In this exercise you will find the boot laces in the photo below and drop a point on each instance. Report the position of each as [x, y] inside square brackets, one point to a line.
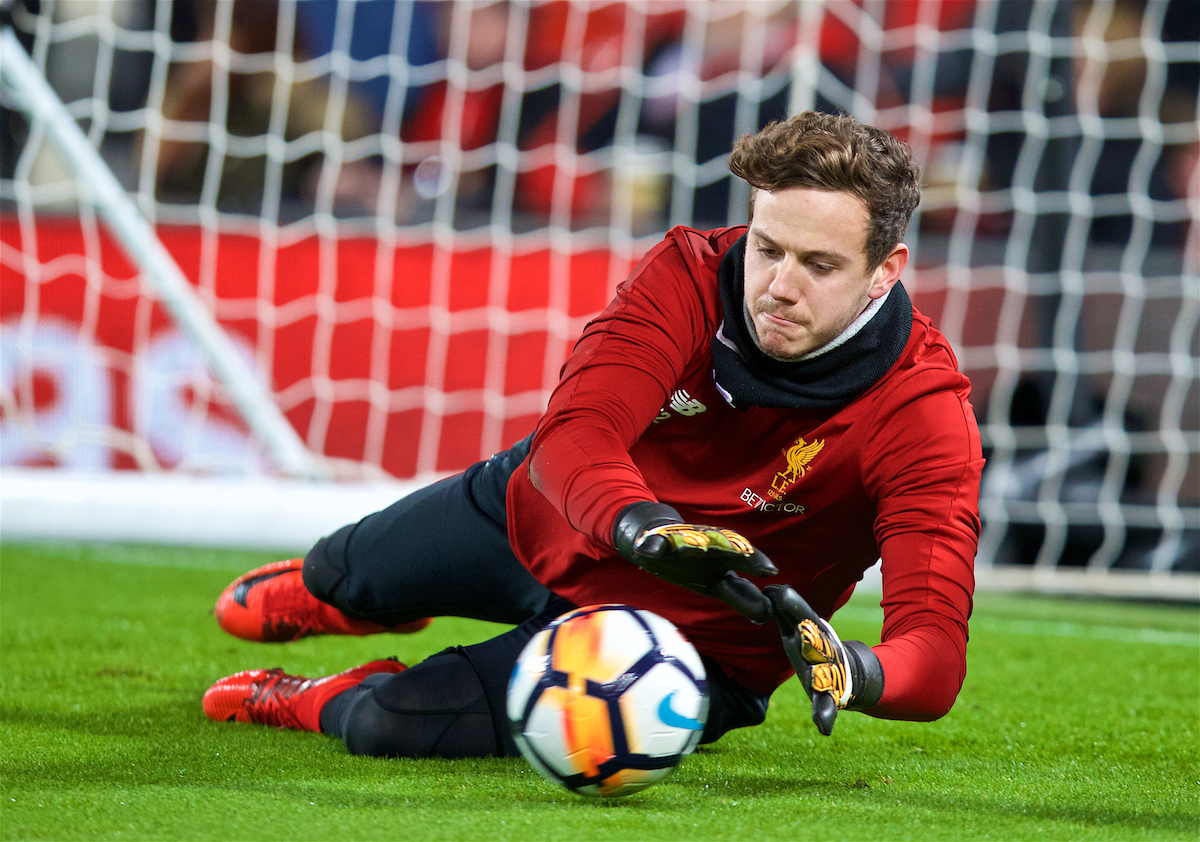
[272, 702]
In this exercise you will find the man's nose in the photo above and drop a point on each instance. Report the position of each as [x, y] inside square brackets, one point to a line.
[785, 285]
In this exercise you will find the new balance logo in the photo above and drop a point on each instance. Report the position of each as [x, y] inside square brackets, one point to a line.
[683, 403]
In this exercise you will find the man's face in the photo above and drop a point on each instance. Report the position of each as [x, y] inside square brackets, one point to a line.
[806, 269]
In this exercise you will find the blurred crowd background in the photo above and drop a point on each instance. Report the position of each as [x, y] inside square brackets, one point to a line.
[477, 101]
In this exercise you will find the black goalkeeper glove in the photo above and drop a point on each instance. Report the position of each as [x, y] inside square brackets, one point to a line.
[836, 674]
[704, 559]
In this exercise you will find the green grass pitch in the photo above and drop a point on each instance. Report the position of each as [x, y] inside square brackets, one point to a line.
[1079, 719]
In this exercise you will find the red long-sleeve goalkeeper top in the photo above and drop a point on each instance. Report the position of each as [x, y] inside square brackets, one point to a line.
[824, 493]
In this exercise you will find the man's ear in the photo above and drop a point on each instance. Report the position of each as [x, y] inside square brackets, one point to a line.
[888, 272]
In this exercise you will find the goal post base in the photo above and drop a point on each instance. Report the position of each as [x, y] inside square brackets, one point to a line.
[1084, 582]
[259, 513]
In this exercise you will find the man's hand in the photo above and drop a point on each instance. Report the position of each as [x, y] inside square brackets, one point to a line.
[835, 675]
[704, 559]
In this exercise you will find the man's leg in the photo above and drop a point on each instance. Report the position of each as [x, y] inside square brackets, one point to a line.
[441, 551]
[450, 705]
[454, 703]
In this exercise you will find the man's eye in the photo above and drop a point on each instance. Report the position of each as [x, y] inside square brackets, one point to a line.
[767, 252]
[821, 268]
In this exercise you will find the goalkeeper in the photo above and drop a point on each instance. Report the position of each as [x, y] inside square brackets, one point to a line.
[757, 417]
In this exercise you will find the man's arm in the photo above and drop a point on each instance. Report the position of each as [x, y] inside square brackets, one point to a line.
[924, 636]
[618, 377]
[922, 467]
[924, 471]
[624, 366]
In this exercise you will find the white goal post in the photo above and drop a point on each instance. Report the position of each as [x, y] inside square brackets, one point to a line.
[265, 266]
[100, 189]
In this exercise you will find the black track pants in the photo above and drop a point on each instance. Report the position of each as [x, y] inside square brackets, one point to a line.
[441, 551]
[444, 551]
[453, 703]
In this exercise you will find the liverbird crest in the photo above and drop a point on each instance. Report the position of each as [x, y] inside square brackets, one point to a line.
[799, 456]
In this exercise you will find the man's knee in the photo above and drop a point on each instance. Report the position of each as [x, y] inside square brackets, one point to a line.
[325, 565]
[436, 709]
[328, 576]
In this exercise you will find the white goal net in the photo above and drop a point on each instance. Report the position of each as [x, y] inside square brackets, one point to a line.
[355, 240]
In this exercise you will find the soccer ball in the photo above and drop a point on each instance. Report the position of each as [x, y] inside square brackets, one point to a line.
[607, 700]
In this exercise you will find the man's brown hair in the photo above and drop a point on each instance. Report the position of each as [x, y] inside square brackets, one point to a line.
[838, 153]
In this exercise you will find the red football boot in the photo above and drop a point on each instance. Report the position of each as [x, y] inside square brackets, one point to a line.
[270, 604]
[272, 697]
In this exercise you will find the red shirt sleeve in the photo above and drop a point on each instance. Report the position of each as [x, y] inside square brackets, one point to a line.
[927, 528]
[617, 379]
